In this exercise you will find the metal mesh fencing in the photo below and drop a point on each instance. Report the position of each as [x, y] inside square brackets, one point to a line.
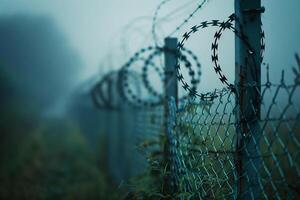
[219, 155]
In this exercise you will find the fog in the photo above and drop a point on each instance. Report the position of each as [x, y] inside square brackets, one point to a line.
[95, 29]
[52, 52]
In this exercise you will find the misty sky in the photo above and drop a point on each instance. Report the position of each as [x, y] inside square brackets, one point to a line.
[94, 28]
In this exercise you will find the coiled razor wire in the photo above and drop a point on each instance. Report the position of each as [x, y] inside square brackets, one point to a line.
[195, 75]
[223, 25]
[136, 101]
[106, 97]
[125, 92]
[97, 96]
[100, 96]
[228, 25]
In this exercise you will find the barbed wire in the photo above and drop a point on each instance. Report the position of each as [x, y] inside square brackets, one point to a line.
[185, 21]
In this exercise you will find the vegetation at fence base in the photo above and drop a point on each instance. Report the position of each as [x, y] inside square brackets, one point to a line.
[151, 183]
[206, 158]
[53, 162]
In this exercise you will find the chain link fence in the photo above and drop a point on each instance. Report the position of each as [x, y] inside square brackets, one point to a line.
[215, 159]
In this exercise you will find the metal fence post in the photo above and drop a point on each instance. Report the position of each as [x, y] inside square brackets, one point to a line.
[171, 99]
[248, 81]
[171, 85]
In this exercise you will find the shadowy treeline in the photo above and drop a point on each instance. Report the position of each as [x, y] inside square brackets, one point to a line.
[43, 157]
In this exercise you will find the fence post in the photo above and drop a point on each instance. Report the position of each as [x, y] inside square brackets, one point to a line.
[171, 100]
[171, 84]
[247, 81]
